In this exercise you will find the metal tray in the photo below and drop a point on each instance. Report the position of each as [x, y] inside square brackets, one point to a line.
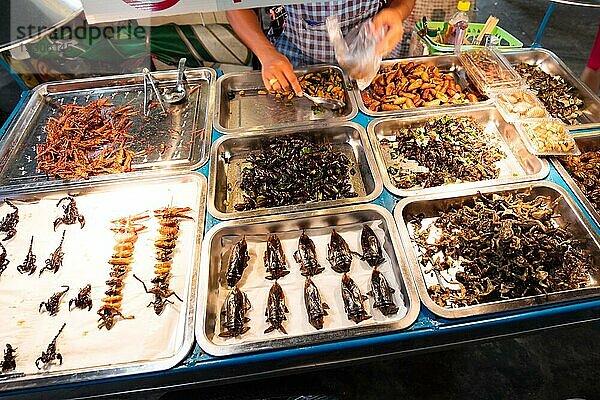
[253, 112]
[319, 222]
[568, 215]
[519, 161]
[180, 141]
[551, 64]
[448, 64]
[229, 153]
[586, 142]
[131, 347]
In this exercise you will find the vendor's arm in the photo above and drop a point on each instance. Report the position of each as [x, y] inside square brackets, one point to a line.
[391, 18]
[277, 71]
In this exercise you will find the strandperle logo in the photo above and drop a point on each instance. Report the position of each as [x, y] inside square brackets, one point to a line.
[151, 5]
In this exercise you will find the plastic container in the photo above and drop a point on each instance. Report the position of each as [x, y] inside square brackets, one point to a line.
[434, 45]
[489, 70]
[517, 104]
[458, 24]
[547, 137]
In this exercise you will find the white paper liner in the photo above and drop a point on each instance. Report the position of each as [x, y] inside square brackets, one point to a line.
[257, 287]
[148, 337]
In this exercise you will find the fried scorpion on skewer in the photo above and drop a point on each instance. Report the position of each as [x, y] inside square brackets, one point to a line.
[168, 219]
[126, 234]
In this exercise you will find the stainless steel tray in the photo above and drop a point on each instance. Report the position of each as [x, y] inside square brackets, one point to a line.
[551, 64]
[229, 153]
[586, 142]
[147, 343]
[449, 64]
[518, 166]
[568, 215]
[253, 112]
[180, 140]
[290, 226]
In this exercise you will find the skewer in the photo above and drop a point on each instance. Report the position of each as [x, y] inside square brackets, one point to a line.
[489, 26]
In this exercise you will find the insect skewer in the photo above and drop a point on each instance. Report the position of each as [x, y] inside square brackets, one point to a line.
[126, 234]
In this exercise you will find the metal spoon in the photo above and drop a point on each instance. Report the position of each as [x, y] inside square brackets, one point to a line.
[333, 104]
[178, 93]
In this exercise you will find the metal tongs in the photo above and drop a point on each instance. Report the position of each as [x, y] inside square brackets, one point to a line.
[149, 79]
[333, 104]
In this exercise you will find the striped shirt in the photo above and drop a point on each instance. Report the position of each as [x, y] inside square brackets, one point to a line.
[305, 41]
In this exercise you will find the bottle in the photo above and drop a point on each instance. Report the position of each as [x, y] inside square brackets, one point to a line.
[458, 25]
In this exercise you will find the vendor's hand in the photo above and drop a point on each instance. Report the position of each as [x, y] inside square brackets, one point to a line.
[278, 73]
[390, 20]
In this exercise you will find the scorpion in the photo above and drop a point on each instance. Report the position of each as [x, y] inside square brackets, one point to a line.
[83, 298]
[161, 294]
[50, 354]
[3, 261]
[9, 363]
[53, 303]
[71, 216]
[28, 266]
[56, 258]
[9, 222]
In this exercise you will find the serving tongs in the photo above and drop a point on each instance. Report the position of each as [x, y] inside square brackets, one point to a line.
[149, 79]
[333, 104]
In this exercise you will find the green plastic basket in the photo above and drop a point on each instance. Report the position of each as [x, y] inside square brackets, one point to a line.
[507, 41]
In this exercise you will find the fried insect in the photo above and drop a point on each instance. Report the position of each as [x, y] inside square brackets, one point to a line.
[338, 253]
[28, 266]
[306, 256]
[3, 261]
[56, 258]
[161, 293]
[71, 212]
[88, 140]
[441, 151]
[353, 300]
[274, 259]
[237, 263]
[561, 98]
[406, 85]
[294, 169]
[585, 170]
[371, 248]
[233, 314]
[9, 223]
[52, 305]
[168, 219]
[9, 363]
[382, 294]
[276, 309]
[315, 307]
[126, 234]
[83, 299]
[502, 246]
[50, 354]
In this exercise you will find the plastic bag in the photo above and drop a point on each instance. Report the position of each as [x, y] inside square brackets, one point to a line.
[356, 53]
